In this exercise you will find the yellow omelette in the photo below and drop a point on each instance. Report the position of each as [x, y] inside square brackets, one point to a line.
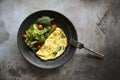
[54, 45]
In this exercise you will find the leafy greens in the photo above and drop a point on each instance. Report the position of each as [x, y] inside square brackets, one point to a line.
[37, 36]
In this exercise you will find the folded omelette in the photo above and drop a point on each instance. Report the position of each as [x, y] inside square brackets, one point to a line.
[54, 45]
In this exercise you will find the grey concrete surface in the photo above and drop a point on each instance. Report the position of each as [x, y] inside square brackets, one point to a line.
[98, 26]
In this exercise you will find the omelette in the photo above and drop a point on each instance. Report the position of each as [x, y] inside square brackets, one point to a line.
[54, 45]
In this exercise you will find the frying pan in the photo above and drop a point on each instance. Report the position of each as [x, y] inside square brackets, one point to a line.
[66, 25]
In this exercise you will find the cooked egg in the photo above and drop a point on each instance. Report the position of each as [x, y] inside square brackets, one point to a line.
[54, 45]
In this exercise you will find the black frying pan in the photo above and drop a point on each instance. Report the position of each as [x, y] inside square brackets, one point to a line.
[65, 25]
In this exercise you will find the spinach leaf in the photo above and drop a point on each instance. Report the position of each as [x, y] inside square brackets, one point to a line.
[44, 20]
[54, 53]
[50, 30]
[58, 49]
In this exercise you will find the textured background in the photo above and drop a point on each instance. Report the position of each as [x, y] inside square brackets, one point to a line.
[98, 26]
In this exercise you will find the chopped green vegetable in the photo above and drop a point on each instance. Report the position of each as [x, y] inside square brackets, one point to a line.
[62, 36]
[54, 53]
[58, 49]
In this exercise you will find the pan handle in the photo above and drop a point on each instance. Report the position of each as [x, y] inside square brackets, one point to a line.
[80, 46]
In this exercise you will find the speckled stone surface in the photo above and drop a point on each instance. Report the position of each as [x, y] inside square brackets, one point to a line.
[98, 26]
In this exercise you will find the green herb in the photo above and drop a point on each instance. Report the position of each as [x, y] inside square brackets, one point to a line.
[58, 49]
[54, 53]
[62, 36]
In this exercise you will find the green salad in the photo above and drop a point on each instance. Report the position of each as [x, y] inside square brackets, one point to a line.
[36, 35]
